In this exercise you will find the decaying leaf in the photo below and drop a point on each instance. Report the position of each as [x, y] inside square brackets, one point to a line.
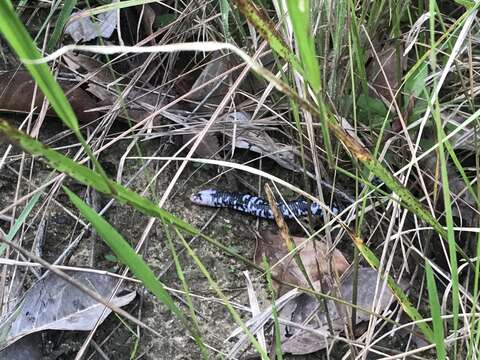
[463, 203]
[83, 29]
[388, 80]
[466, 139]
[215, 90]
[54, 304]
[27, 348]
[99, 76]
[240, 128]
[314, 255]
[16, 94]
[209, 147]
[306, 312]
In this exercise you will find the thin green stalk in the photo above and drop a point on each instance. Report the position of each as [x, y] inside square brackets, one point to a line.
[20, 220]
[452, 245]
[186, 289]
[127, 255]
[438, 333]
[224, 299]
[276, 324]
[299, 14]
[21, 42]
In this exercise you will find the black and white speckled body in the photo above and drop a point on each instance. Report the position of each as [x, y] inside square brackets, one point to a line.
[255, 205]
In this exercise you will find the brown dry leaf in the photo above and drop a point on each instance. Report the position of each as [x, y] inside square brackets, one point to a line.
[148, 15]
[240, 128]
[382, 81]
[216, 89]
[16, 94]
[314, 256]
[208, 148]
[306, 312]
[463, 203]
[98, 75]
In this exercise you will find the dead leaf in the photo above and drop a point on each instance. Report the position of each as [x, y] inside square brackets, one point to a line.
[240, 128]
[16, 94]
[53, 304]
[83, 29]
[314, 256]
[382, 82]
[209, 146]
[27, 348]
[306, 311]
[215, 90]
[463, 203]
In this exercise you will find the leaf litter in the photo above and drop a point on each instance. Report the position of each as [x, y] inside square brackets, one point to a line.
[304, 324]
[54, 304]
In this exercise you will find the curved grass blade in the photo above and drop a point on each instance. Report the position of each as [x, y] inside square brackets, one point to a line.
[235, 315]
[19, 39]
[21, 42]
[186, 290]
[130, 258]
[88, 177]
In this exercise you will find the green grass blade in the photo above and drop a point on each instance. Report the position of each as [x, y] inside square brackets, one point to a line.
[129, 257]
[65, 13]
[449, 219]
[21, 42]
[438, 333]
[473, 342]
[188, 298]
[224, 299]
[225, 10]
[402, 298]
[89, 177]
[299, 14]
[265, 27]
[20, 220]
[19, 39]
[276, 324]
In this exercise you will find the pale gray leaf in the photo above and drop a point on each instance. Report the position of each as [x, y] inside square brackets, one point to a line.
[83, 29]
[310, 317]
[53, 304]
